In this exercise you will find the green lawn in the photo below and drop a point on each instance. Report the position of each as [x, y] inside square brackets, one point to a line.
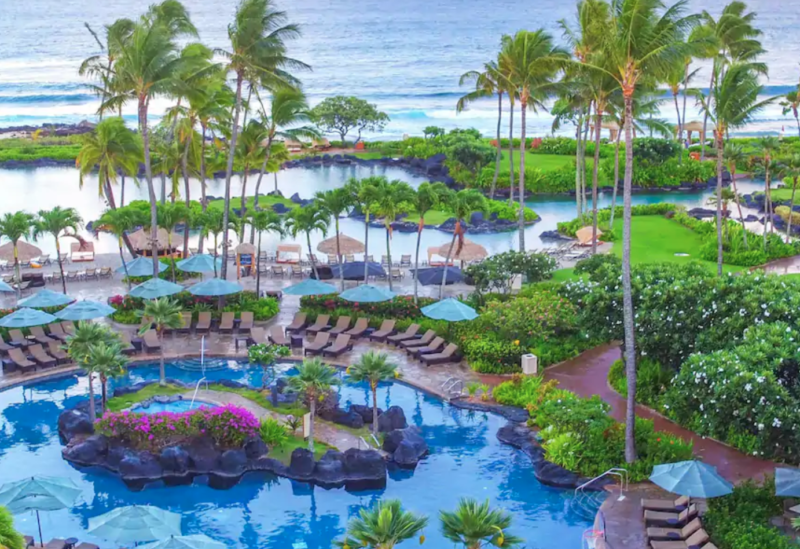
[783, 195]
[565, 275]
[124, 402]
[544, 162]
[284, 453]
[260, 398]
[369, 155]
[263, 202]
[434, 217]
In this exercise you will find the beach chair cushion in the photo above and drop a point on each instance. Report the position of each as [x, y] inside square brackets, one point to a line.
[278, 337]
[320, 325]
[361, 326]
[342, 325]
[672, 519]
[298, 323]
[410, 332]
[674, 533]
[320, 342]
[695, 541]
[386, 329]
[426, 338]
[676, 505]
[339, 346]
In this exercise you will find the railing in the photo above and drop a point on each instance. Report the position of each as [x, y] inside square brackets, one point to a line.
[377, 444]
[196, 389]
[453, 387]
[365, 443]
[586, 504]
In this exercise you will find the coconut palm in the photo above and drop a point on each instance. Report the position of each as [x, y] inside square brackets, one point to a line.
[461, 204]
[313, 380]
[119, 222]
[15, 227]
[393, 199]
[792, 170]
[9, 537]
[105, 358]
[79, 346]
[57, 222]
[169, 216]
[212, 222]
[734, 155]
[372, 368]
[306, 220]
[532, 62]
[769, 146]
[249, 152]
[258, 37]
[166, 315]
[790, 104]
[336, 202]
[261, 221]
[474, 525]
[383, 526]
[427, 197]
[365, 196]
[101, 66]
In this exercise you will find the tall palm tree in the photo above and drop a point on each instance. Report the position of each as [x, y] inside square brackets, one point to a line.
[106, 360]
[792, 170]
[393, 199]
[119, 222]
[264, 220]
[734, 154]
[372, 368]
[101, 66]
[769, 146]
[166, 315]
[461, 204]
[15, 227]
[169, 216]
[79, 346]
[474, 525]
[313, 379]
[383, 526]
[336, 202]
[306, 220]
[212, 222]
[258, 37]
[533, 63]
[57, 222]
[791, 104]
[643, 40]
[249, 152]
[427, 197]
[365, 196]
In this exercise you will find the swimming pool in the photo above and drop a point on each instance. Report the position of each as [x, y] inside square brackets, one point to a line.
[177, 407]
[274, 513]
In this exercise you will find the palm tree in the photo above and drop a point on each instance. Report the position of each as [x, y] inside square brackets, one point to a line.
[336, 202]
[643, 41]
[734, 154]
[768, 145]
[313, 379]
[393, 199]
[365, 196]
[373, 368]
[427, 198]
[258, 38]
[166, 315]
[79, 346]
[56, 222]
[461, 204]
[792, 169]
[383, 526]
[100, 66]
[119, 222]
[212, 222]
[15, 227]
[106, 360]
[169, 216]
[474, 525]
[532, 62]
[306, 220]
[790, 104]
[264, 220]
[9, 537]
[249, 151]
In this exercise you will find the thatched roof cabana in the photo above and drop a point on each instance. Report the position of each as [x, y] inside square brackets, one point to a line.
[140, 240]
[347, 245]
[25, 251]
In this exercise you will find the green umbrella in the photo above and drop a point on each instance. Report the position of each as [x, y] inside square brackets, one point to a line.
[197, 541]
[85, 310]
[46, 298]
[135, 523]
[141, 266]
[23, 318]
[310, 286]
[451, 310]
[200, 263]
[5, 287]
[215, 287]
[155, 288]
[691, 478]
[367, 293]
[39, 494]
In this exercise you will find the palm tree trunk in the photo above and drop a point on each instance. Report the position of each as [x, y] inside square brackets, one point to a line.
[61, 266]
[375, 409]
[203, 205]
[791, 210]
[228, 173]
[313, 410]
[738, 206]
[389, 250]
[627, 291]
[499, 156]
[150, 189]
[243, 211]
[797, 121]
[92, 404]
[511, 149]
[163, 188]
[311, 256]
[263, 171]
[366, 246]
[257, 265]
[456, 231]
[17, 272]
[719, 134]
[103, 391]
[124, 265]
[616, 182]
[708, 107]
[416, 259]
[185, 169]
[521, 221]
[680, 125]
[578, 204]
[162, 374]
[122, 192]
[339, 250]
[584, 141]
[598, 117]
[766, 205]
[683, 114]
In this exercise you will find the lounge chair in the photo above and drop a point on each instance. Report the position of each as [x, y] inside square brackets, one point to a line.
[4, 347]
[40, 355]
[71, 276]
[203, 322]
[256, 336]
[339, 346]
[695, 541]
[186, 323]
[397, 274]
[150, 341]
[332, 259]
[246, 322]
[410, 333]
[361, 327]
[405, 260]
[342, 325]
[297, 271]
[277, 270]
[277, 337]
[226, 322]
[320, 342]
[85, 545]
[386, 329]
[450, 354]
[655, 533]
[426, 338]
[69, 327]
[16, 338]
[349, 258]
[127, 345]
[322, 324]
[147, 322]
[21, 361]
[56, 544]
[57, 332]
[55, 350]
[671, 519]
[431, 348]
[105, 272]
[300, 321]
[667, 505]
[29, 541]
[55, 278]
[91, 274]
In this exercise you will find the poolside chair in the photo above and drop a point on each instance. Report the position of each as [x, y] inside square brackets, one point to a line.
[426, 338]
[38, 334]
[370, 259]
[150, 341]
[17, 339]
[147, 322]
[332, 259]
[278, 337]
[385, 261]
[203, 322]
[320, 342]
[405, 260]
[85, 545]
[55, 278]
[71, 276]
[57, 332]
[674, 533]
[397, 274]
[277, 270]
[361, 327]
[297, 271]
[246, 322]
[410, 333]
[342, 325]
[339, 346]
[671, 519]
[299, 323]
[91, 274]
[349, 258]
[450, 354]
[55, 350]
[105, 272]
[256, 336]
[69, 327]
[40, 355]
[127, 346]
[322, 324]
[431, 348]
[21, 361]
[56, 544]
[695, 541]
[667, 505]
[4, 347]
[386, 329]
[226, 322]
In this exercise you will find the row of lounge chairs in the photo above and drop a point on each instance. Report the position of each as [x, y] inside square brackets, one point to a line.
[205, 323]
[59, 544]
[674, 524]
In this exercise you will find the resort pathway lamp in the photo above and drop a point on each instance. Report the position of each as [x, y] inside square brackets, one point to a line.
[198, 541]
[367, 293]
[46, 298]
[136, 523]
[39, 494]
[141, 266]
[85, 310]
[215, 287]
[155, 288]
[25, 318]
[691, 478]
[309, 287]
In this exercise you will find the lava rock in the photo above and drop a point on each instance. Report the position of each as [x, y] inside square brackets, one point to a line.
[140, 465]
[203, 457]
[302, 463]
[89, 451]
[72, 423]
[348, 419]
[393, 418]
[255, 448]
[280, 208]
[365, 412]
[364, 464]
[330, 468]
[233, 462]
[174, 459]
[476, 218]
[406, 446]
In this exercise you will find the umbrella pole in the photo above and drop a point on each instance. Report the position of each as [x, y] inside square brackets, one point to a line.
[39, 522]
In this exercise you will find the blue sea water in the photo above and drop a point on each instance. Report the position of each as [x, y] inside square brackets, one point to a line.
[404, 56]
[268, 512]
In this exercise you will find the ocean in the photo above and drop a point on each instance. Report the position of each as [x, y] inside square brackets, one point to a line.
[406, 57]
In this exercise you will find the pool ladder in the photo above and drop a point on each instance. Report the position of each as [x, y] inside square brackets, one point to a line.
[453, 387]
[366, 444]
[586, 503]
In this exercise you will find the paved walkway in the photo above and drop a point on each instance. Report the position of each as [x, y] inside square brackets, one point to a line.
[587, 375]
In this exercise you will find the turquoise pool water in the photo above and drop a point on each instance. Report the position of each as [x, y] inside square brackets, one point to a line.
[176, 407]
[274, 513]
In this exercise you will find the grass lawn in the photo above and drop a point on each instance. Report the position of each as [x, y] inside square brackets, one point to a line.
[284, 453]
[369, 155]
[434, 217]
[565, 275]
[259, 398]
[544, 162]
[123, 402]
[783, 195]
[263, 202]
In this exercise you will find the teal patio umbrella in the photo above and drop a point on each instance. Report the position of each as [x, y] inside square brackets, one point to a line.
[215, 287]
[38, 494]
[5, 287]
[135, 523]
[155, 288]
[787, 482]
[85, 310]
[367, 293]
[691, 478]
[46, 298]
[451, 310]
[200, 263]
[310, 286]
[197, 541]
[141, 266]
[23, 318]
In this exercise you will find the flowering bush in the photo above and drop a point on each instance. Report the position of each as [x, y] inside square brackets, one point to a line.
[539, 316]
[227, 426]
[262, 308]
[400, 307]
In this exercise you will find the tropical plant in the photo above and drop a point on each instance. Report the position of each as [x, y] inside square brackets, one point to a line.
[393, 198]
[336, 202]
[79, 347]
[462, 204]
[427, 197]
[790, 104]
[273, 433]
[261, 221]
[169, 215]
[313, 380]
[119, 222]
[265, 355]
[792, 171]
[372, 368]
[342, 114]
[383, 526]
[105, 358]
[734, 155]
[15, 227]
[475, 525]
[57, 223]
[166, 315]
[769, 146]
[249, 152]
[9, 537]
[365, 196]
[306, 220]
[214, 222]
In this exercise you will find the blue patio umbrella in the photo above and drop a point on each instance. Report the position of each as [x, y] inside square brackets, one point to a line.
[46, 298]
[23, 318]
[691, 478]
[787, 482]
[451, 310]
[215, 287]
[85, 310]
[39, 494]
[200, 263]
[135, 523]
[141, 266]
[367, 293]
[5, 287]
[197, 541]
[310, 287]
[433, 275]
[354, 270]
[155, 288]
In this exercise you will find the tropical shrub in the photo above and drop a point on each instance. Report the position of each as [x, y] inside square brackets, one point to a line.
[652, 380]
[494, 274]
[653, 149]
[273, 433]
[510, 212]
[595, 262]
[399, 307]
[262, 308]
[539, 316]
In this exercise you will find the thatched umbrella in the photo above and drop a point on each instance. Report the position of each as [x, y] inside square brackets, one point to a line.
[347, 246]
[25, 251]
[584, 235]
[245, 248]
[470, 251]
[140, 240]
